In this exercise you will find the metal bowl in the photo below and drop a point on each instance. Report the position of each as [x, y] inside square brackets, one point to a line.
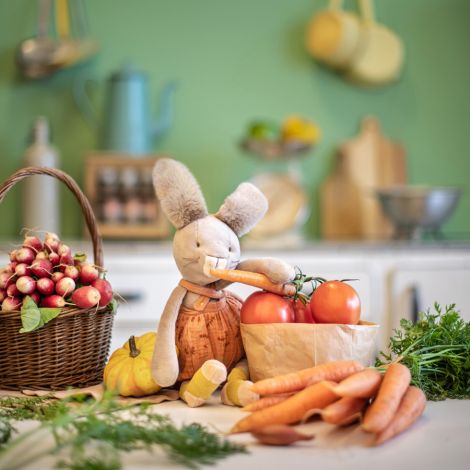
[415, 210]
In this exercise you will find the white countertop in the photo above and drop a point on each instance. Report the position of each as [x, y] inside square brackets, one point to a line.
[164, 247]
[439, 440]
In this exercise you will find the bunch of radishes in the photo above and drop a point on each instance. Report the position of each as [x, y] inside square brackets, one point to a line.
[49, 273]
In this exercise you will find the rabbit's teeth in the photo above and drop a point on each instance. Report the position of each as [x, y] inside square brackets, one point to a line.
[213, 262]
[221, 263]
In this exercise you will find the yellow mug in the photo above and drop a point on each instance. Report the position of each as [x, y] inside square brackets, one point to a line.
[334, 36]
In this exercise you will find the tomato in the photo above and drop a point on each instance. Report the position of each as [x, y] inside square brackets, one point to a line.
[264, 307]
[302, 312]
[335, 302]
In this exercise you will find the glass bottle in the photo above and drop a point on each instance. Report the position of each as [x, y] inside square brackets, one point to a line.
[40, 202]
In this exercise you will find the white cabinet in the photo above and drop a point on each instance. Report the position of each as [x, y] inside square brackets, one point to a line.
[420, 286]
[386, 276]
[143, 284]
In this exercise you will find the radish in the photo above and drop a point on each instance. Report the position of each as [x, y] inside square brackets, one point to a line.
[13, 255]
[51, 241]
[65, 286]
[64, 249]
[11, 266]
[88, 274]
[105, 290]
[72, 272]
[10, 304]
[22, 269]
[86, 297]
[53, 301]
[25, 284]
[54, 258]
[32, 242]
[3, 295]
[57, 276]
[25, 255]
[6, 279]
[66, 260]
[42, 268]
[6, 269]
[42, 255]
[12, 290]
[45, 285]
[36, 297]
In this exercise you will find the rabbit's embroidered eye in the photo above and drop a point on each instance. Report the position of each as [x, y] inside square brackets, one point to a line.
[229, 248]
[198, 244]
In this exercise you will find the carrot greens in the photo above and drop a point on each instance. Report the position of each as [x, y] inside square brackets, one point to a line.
[94, 434]
[436, 349]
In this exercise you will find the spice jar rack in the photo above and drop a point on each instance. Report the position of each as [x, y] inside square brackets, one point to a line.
[121, 192]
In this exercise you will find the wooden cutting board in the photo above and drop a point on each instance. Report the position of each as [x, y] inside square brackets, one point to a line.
[365, 163]
[339, 206]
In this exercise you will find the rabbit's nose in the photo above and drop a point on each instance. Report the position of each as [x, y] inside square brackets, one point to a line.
[213, 262]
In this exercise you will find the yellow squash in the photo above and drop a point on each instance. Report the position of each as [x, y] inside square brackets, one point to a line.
[128, 369]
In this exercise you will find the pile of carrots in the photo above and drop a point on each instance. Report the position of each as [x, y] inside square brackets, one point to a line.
[341, 392]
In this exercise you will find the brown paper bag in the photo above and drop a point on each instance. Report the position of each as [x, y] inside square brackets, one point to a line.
[279, 348]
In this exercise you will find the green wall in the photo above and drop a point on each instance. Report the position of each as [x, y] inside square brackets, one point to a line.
[238, 60]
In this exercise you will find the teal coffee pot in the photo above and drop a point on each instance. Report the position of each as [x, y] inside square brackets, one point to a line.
[127, 125]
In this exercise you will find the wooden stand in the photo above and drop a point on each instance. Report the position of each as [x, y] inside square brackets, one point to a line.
[121, 229]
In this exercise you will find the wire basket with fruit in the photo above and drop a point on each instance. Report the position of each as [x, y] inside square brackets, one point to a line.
[57, 309]
[295, 137]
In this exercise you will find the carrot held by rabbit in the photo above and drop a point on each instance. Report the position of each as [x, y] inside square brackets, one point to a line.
[253, 279]
[200, 318]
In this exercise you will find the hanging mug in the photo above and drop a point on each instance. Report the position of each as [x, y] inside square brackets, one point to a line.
[334, 36]
[380, 59]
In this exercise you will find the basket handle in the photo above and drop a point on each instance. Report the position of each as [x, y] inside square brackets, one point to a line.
[77, 192]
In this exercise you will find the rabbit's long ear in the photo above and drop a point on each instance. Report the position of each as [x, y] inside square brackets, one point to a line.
[243, 209]
[179, 193]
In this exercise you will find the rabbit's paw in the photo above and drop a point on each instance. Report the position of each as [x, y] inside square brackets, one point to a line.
[278, 271]
[204, 383]
[238, 393]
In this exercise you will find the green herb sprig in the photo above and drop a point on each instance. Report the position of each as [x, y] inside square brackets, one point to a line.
[436, 349]
[93, 434]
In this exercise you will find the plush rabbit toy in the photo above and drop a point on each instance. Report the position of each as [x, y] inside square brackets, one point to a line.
[200, 318]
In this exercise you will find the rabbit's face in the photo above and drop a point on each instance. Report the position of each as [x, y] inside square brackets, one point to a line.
[205, 242]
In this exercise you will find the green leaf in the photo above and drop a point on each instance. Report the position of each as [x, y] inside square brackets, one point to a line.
[114, 305]
[80, 257]
[30, 315]
[48, 314]
[33, 318]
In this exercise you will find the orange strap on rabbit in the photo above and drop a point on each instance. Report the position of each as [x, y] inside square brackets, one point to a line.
[206, 294]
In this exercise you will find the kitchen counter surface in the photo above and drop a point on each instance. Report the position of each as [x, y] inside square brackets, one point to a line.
[438, 440]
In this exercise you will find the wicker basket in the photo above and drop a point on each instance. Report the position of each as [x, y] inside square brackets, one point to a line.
[69, 351]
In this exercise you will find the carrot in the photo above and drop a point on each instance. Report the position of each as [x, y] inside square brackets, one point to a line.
[290, 410]
[394, 385]
[411, 408]
[344, 411]
[294, 381]
[363, 384]
[266, 402]
[253, 279]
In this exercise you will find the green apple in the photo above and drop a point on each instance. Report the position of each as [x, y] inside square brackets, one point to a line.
[263, 130]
